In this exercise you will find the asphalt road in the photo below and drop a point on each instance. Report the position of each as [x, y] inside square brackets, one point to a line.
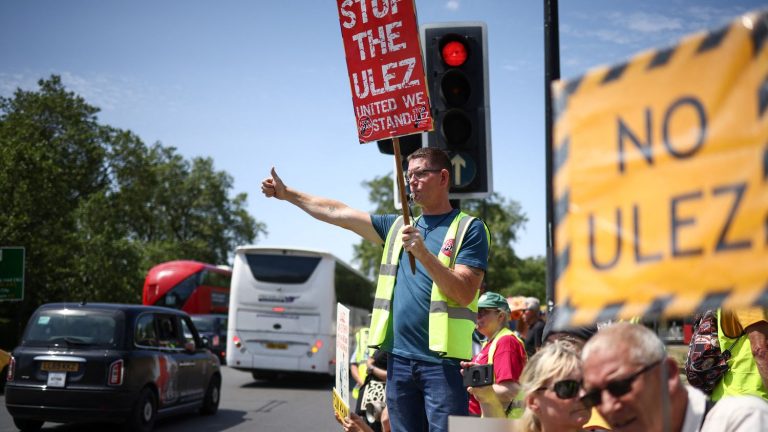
[284, 405]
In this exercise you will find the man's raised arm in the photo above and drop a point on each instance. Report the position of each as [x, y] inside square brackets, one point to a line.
[323, 209]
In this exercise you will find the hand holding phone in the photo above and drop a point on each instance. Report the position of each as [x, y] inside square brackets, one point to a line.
[478, 375]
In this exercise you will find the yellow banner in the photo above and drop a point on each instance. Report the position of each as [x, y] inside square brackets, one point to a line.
[661, 179]
[339, 406]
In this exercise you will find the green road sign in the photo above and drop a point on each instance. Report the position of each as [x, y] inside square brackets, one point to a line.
[11, 273]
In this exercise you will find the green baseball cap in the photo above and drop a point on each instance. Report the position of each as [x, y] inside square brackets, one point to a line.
[493, 300]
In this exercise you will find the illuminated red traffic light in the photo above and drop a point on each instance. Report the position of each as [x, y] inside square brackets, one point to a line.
[457, 76]
[454, 53]
[455, 89]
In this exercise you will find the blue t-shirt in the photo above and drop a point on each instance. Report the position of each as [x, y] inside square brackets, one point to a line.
[407, 334]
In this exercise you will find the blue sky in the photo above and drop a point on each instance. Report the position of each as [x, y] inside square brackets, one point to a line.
[254, 84]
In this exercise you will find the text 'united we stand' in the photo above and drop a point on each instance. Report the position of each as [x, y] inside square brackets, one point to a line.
[385, 67]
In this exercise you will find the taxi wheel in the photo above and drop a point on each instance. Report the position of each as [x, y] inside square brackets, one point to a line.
[3, 374]
[25, 425]
[143, 417]
[261, 376]
[212, 396]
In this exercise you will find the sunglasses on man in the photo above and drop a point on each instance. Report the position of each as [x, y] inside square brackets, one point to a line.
[617, 388]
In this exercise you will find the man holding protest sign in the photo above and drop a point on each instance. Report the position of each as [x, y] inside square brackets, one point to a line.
[426, 300]
[423, 319]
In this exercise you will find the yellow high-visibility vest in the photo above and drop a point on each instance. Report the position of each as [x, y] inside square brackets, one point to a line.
[361, 346]
[450, 324]
[517, 406]
[742, 377]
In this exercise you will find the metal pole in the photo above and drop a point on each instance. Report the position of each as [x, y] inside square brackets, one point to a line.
[551, 73]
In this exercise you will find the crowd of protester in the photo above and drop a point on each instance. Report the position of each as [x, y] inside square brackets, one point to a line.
[619, 378]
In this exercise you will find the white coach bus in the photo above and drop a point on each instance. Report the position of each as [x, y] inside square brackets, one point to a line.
[282, 310]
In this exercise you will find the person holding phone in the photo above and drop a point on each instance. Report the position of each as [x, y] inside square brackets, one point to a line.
[502, 349]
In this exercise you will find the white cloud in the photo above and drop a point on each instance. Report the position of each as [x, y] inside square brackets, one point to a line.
[651, 23]
[106, 92]
[615, 36]
[623, 29]
[712, 17]
[452, 5]
[9, 82]
[643, 28]
[515, 65]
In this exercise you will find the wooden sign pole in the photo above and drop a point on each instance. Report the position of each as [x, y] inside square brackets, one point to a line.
[403, 196]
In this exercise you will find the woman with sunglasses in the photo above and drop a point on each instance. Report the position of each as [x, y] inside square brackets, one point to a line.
[550, 383]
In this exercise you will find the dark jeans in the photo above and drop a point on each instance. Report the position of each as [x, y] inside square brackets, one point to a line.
[421, 395]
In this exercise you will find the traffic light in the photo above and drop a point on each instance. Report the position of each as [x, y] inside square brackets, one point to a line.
[456, 62]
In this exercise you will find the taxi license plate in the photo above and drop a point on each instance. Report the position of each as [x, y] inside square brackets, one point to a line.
[56, 366]
[275, 345]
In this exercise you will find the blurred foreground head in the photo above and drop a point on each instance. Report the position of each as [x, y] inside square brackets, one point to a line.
[628, 376]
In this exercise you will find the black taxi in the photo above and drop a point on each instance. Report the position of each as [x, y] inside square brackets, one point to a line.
[80, 362]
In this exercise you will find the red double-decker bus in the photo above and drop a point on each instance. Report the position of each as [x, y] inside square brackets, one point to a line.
[194, 287]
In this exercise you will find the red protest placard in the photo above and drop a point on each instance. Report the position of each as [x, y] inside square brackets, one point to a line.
[386, 71]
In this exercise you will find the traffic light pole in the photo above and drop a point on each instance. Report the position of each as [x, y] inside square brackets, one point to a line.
[551, 73]
[403, 196]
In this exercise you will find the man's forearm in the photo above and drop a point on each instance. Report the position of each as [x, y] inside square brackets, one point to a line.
[334, 212]
[324, 209]
[458, 284]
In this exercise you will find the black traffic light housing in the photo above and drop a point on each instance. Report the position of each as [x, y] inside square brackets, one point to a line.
[456, 63]
[408, 145]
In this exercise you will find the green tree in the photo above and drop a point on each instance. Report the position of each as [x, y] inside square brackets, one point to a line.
[95, 207]
[504, 220]
[530, 279]
[366, 254]
[51, 159]
[177, 208]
